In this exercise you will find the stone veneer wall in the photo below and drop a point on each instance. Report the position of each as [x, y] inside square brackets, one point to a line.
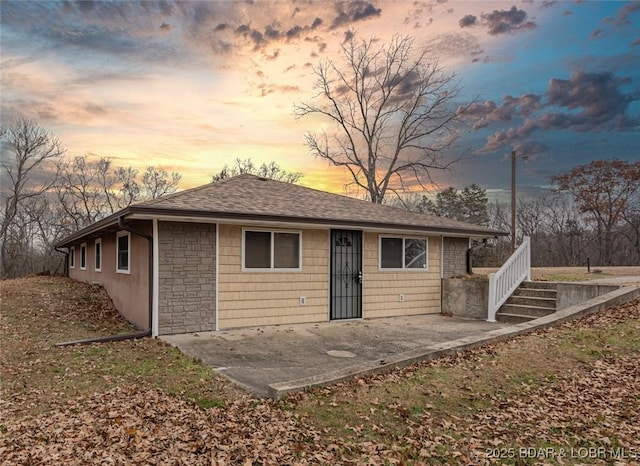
[187, 277]
[454, 256]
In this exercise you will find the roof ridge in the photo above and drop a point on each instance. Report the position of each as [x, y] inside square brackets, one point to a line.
[184, 191]
[364, 202]
[342, 196]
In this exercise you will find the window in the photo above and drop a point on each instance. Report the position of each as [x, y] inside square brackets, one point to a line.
[403, 253]
[123, 252]
[97, 255]
[83, 256]
[271, 250]
[72, 257]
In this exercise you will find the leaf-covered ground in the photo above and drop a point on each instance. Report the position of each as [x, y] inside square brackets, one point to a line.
[568, 395]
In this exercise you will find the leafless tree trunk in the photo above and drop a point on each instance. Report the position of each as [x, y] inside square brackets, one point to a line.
[391, 109]
[27, 153]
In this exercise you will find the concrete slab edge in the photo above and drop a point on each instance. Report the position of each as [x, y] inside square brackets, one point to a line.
[597, 304]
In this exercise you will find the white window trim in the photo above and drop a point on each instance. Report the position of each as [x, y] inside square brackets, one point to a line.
[72, 257]
[83, 246]
[403, 269]
[95, 255]
[128, 269]
[272, 268]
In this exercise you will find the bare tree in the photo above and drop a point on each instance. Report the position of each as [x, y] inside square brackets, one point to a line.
[129, 186]
[603, 190]
[88, 190]
[156, 182]
[530, 217]
[632, 231]
[80, 192]
[107, 180]
[392, 111]
[271, 170]
[27, 150]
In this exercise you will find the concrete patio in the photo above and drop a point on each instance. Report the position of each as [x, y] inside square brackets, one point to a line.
[276, 360]
[259, 356]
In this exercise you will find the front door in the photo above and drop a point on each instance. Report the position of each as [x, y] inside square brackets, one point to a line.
[346, 274]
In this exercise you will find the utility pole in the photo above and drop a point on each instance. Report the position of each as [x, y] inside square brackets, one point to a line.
[513, 200]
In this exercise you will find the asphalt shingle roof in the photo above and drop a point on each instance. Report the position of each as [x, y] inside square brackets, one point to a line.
[251, 198]
[251, 195]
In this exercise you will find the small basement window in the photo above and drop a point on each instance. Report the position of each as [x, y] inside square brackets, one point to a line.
[271, 250]
[83, 256]
[401, 253]
[123, 252]
[97, 255]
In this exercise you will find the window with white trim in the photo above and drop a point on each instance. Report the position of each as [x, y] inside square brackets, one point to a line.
[83, 256]
[402, 253]
[271, 250]
[72, 257]
[123, 252]
[97, 255]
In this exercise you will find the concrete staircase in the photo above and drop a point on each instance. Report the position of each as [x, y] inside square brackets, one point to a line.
[530, 301]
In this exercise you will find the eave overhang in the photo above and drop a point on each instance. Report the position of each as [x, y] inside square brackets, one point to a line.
[143, 212]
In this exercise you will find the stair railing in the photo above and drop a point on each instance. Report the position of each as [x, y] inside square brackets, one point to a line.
[505, 281]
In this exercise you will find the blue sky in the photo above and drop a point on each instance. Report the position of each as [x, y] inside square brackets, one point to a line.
[190, 86]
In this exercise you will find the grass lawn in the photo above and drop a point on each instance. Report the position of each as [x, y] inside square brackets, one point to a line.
[573, 274]
[566, 395]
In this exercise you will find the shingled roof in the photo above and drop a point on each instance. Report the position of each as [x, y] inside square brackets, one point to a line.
[250, 197]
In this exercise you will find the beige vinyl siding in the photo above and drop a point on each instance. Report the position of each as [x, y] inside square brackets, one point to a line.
[248, 298]
[382, 289]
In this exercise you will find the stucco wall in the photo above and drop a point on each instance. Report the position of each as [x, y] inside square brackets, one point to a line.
[129, 292]
[465, 297]
[454, 256]
[382, 289]
[248, 298]
[187, 274]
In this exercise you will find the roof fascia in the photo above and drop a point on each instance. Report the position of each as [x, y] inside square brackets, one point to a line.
[93, 228]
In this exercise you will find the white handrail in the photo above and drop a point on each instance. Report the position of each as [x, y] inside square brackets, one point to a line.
[505, 281]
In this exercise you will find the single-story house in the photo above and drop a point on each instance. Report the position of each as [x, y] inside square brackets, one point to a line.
[250, 251]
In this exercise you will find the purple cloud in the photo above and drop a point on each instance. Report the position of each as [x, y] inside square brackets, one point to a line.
[467, 21]
[622, 16]
[507, 21]
[586, 102]
[351, 12]
[489, 112]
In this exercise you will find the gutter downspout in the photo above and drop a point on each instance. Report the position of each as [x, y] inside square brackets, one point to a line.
[107, 339]
[149, 238]
[126, 336]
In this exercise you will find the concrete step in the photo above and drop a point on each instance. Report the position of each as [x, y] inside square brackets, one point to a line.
[535, 301]
[513, 318]
[536, 292]
[531, 311]
[539, 285]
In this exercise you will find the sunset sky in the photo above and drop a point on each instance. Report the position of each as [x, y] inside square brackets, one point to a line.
[190, 86]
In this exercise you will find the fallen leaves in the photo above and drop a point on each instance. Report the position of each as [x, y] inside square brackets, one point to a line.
[128, 419]
[590, 409]
[136, 424]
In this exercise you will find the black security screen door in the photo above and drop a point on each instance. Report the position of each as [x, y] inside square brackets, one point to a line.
[346, 274]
